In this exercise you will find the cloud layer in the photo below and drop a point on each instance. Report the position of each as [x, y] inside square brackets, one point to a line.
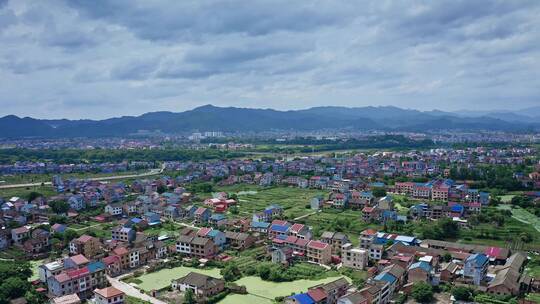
[97, 59]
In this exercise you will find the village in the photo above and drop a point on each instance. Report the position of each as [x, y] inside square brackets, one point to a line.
[375, 227]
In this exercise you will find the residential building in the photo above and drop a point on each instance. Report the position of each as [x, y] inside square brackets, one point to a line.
[109, 295]
[203, 286]
[319, 252]
[355, 258]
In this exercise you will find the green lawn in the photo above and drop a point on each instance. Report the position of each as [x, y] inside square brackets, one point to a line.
[270, 290]
[505, 236]
[23, 192]
[253, 198]
[534, 297]
[35, 271]
[162, 278]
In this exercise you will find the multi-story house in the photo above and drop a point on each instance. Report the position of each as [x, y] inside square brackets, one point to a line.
[202, 215]
[300, 231]
[355, 258]
[123, 234]
[475, 268]
[335, 240]
[367, 237]
[114, 209]
[239, 240]
[319, 252]
[87, 245]
[19, 235]
[80, 281]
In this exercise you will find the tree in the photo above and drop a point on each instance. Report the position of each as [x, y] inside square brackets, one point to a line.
[189, 297]
[447, 257]
[264, 271]
[422, 292]
[13, 287]
[231, 272]
[33, 195]
[69, 235]
[379, 192]
[161, 189]
[59, 207]
[462, 293]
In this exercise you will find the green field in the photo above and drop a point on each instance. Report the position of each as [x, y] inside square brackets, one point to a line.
[270, 290]
[252, 198]
[523, 215]
[23, 192]
[534, 297]
[35, 271]
[162, 278]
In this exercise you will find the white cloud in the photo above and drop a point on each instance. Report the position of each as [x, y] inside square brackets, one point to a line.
[97, 59]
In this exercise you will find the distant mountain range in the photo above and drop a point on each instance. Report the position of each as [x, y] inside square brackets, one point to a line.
[230, 119]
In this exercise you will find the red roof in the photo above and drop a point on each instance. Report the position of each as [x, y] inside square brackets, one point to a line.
[493, 252]
[120, 251]
[77, 273]
[111, 259]
[204, 231]
[367, 209]
[369, 232]
[317, 244]
[200, 210]
[79, 259]
[109, 292]
[296, 227]
[84, 238]
[317, 294]
[301, 242]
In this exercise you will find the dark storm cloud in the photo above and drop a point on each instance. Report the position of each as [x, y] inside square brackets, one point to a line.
[104, 58]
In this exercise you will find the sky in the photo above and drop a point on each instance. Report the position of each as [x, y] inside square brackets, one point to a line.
[98, 59]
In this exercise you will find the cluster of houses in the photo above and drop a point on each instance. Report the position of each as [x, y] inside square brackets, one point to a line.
[394, 263]
[28, 167]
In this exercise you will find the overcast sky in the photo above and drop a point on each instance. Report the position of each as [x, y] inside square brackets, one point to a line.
[98, 59]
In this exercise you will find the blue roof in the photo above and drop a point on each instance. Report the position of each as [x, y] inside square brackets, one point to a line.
[96, 266]
[423, 265]
[260, 225]
[457, 208]
[279, 228]
[213, 233]
[217, 217]
[303, 298]
[136, 220]
[385, 276]
[478, 258]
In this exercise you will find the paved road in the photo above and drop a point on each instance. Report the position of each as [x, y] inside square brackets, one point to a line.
[132, 291]
[105, 178]
[305, 215]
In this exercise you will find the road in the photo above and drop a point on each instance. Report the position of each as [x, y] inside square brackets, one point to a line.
[105, 178]
[132, 291]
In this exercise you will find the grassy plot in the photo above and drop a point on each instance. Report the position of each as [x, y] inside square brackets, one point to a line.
[505, 236]
[254, 198]
[270, 290]
[163, 277]
[25, 191]
[522, 215]
[35, 269]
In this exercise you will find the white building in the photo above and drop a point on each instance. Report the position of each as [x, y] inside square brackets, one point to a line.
[355, 258]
